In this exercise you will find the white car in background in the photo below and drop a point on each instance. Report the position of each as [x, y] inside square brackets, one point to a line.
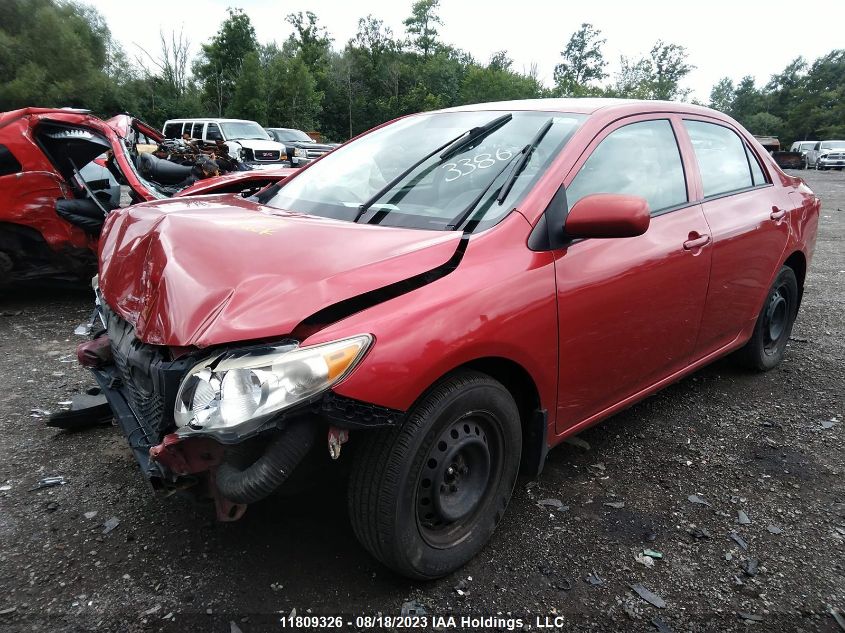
[247, 141]
[826, 155]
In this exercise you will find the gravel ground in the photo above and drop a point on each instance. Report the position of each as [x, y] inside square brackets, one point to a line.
[764, 452]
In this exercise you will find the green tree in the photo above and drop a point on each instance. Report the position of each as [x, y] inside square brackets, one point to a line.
[657, 76]
[421, 25]
[310, 41]
[669, 67]
[722, 95]
[219, 63]
[497, 82]
[747, 101]
[53, 54]
[292, 96]
[249, 99]
[583, 62]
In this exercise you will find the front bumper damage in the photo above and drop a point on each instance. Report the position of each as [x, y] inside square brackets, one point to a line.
[140, 382]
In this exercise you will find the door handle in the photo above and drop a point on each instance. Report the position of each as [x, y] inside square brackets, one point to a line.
[777, 214]
[698, 242]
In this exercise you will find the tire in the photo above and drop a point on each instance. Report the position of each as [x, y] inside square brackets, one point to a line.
[424, 498]
[767, 345]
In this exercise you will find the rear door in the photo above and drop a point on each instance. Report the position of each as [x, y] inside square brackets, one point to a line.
[629, 309]
[748, 218]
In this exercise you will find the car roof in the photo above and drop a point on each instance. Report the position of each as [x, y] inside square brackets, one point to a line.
[588, 106]
[209, 120]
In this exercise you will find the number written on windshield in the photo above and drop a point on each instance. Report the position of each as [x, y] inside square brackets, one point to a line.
[465, 166]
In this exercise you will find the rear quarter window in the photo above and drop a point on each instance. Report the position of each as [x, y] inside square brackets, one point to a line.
[8, 163]
[721, 156]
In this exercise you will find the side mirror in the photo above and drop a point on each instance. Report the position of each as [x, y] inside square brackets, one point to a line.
[608, 215]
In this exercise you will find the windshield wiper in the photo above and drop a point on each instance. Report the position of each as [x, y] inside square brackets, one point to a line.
[523, 161]
[463, 215]
[521, 158]
[449, 148]
[470, 138]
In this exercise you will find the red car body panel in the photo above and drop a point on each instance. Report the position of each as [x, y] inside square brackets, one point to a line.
[236, 181]
[596, 325]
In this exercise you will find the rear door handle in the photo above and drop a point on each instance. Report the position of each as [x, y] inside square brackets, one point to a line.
[697, 242]
[777, 214]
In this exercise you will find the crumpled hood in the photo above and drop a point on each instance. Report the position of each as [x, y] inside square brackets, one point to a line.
[223, 269]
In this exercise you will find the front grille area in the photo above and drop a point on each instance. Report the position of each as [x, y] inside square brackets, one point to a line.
[266, 154]
[315, 153]
[143, 378]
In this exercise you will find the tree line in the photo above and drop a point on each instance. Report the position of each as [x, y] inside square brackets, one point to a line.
[61, 53]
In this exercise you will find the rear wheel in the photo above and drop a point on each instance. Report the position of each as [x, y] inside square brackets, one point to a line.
[425, 498]
[774, 324]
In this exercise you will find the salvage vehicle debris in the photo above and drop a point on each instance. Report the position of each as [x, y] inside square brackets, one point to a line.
[61, 175]
[649, 596]
[110, 524]
[736, 538]
[49, 482]
[85, 409]
[697, 499]
[424, 301]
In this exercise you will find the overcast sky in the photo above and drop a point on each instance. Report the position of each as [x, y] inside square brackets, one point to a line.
[724, 38]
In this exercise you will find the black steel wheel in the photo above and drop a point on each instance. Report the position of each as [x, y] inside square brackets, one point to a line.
[771, 334]
[425, 498]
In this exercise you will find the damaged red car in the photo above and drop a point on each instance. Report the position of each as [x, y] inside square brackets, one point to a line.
[439, 302]
[62, 171]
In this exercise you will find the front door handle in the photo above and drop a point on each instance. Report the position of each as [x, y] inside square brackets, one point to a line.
[697, 242]
[777, 214]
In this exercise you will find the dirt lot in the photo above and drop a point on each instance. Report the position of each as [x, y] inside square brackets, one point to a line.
[771, 446]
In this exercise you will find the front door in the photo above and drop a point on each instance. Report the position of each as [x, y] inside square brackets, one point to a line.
[629, 309]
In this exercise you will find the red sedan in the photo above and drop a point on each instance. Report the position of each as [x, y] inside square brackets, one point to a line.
[453, 293]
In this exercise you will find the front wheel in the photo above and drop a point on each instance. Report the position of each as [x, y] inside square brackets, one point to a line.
[767, 345]
[424, 498]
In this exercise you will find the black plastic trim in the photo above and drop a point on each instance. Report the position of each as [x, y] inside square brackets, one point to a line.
[343, 309]
[8, 163]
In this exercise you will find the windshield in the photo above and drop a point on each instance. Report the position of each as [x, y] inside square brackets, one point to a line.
[833, 145]
[293, 135]
[244, 130]
[349, 184]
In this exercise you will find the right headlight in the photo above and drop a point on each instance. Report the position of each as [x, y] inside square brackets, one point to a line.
[238, 391]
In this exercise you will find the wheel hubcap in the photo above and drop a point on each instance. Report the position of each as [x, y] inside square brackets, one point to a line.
[455, 477]
[777, 317]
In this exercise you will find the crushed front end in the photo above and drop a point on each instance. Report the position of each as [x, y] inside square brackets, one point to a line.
[238, 444]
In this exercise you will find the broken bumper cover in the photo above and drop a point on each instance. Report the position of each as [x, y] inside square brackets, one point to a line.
[141, 384]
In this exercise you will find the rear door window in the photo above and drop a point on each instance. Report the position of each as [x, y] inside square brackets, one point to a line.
[722, 158]
[197, 133]
[640, 159]
[173, 130]
[213, 132]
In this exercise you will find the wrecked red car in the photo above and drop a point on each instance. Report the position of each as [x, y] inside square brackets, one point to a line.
[61, 173]
[440, 301]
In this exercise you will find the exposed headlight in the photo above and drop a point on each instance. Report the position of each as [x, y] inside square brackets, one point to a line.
[238, 391]
[298, 151]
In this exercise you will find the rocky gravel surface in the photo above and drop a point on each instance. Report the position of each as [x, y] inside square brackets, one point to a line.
[716, 505]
